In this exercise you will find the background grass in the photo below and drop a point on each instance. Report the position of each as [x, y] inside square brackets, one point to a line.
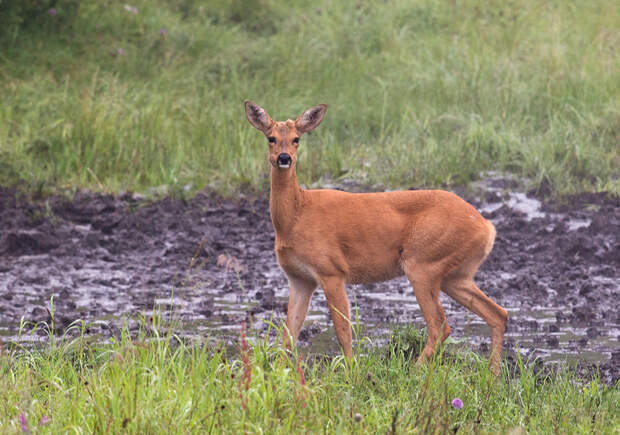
[420, 93]
[157, 383]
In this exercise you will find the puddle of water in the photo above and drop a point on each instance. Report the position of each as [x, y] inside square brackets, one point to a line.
[379, 308]
[529, 206]
[401, 309]
[520, 202]
[575, 224]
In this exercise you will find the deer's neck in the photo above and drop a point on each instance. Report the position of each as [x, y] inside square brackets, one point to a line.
[285, 200]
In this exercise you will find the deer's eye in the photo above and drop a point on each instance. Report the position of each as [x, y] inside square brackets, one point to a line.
[271, 139]
[296, 140]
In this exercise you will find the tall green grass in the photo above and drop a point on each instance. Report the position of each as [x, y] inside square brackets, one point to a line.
[156, 382]
[420, 93]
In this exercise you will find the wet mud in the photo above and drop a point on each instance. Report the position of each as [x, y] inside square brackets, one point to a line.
[107, 260]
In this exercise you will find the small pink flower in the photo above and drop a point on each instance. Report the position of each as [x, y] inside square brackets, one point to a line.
[44, 420]
[24, 423]
[457, 403]
[51, 11]
[120, 51]
[162, 32]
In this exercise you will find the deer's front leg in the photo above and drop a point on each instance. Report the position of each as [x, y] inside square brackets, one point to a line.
[426, 289]
[298, 301]
[339, 309]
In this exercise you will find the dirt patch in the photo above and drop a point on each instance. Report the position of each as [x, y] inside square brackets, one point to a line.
[109, 259]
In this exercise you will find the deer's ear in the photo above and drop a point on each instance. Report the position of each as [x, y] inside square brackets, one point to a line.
[311, 118]
[258, 116]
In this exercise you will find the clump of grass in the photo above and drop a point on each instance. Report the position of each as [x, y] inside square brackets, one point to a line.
[420, 93]
[156, 382]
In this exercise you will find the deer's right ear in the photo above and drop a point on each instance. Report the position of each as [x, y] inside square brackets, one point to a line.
[258, 116]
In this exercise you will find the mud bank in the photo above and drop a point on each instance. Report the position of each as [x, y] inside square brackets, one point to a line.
[107, 259]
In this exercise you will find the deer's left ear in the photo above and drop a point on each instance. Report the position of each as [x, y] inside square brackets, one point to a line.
[311, 118]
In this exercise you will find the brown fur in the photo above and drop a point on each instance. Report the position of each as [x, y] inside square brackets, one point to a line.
[331, 238]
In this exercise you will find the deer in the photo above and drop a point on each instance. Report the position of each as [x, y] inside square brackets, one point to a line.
[330, 238]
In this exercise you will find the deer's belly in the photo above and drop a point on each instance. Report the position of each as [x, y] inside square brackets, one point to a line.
[355, 269]
[376, 272]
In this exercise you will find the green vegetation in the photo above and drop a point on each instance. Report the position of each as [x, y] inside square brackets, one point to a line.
[161, 384]
[420, 93]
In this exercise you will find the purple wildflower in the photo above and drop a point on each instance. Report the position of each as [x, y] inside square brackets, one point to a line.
[120, 51]
[24, 423]
[44, 420]
[162, 32]
[457, 403]
[51, 11]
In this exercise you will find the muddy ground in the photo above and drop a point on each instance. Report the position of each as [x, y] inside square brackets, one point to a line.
[106, 259]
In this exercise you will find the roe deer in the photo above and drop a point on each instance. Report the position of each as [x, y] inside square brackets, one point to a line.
[330, 238]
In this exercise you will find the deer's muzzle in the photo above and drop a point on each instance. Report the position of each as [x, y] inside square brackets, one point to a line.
[284, 161]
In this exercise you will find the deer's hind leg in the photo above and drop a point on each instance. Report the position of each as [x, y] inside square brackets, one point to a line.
[426, 282]
[460, 286]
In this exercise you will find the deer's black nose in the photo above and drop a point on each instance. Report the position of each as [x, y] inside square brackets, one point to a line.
[284, 160]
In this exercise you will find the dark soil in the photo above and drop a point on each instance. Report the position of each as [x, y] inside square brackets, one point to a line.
[110, 259]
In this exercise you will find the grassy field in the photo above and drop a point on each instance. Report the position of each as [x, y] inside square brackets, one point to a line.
[420, 93]
[114, 96]
[156, 383]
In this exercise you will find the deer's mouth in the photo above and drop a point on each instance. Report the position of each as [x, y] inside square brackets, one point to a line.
[284, 161]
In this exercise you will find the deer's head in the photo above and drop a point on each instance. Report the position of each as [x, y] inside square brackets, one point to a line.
[283, 137]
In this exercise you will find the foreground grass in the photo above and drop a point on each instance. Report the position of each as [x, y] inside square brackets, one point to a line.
[154, 384]
[420, 93]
